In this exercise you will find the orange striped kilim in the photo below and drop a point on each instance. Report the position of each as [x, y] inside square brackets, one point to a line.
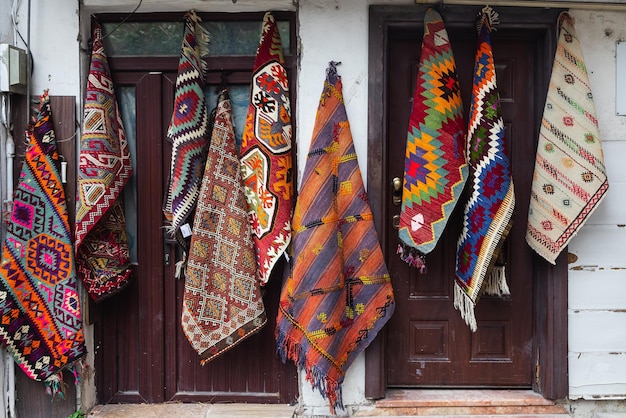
[338, 294]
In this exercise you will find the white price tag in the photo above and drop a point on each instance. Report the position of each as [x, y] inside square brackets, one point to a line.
[185, 229]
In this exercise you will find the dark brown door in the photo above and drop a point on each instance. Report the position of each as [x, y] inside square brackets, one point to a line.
[142, 355]
[428, 344]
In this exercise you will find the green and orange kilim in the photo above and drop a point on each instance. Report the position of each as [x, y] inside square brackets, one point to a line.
[435, 168]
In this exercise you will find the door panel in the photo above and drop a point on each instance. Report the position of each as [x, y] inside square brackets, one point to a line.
[428, 344]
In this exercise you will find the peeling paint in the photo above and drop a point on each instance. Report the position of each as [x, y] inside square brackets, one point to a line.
[584, 268]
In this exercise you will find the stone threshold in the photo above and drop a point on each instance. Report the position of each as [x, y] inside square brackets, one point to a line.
[470, 402]
[191, 410]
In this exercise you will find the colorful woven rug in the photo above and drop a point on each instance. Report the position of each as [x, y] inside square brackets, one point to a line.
[222, 303]
[189, 128]
[266, 161]
[338, 294]
[435, 169]
[570, 178]
[488, 212]
[41, 322]
[104, 168]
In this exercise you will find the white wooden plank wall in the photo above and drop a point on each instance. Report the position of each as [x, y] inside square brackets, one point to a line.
[597, 279]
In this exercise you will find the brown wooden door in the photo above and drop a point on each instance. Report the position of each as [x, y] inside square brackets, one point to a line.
[428, 344]
[142, 354]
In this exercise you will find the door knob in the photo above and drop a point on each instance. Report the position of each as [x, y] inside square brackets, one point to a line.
[395, 221]
[396, 192]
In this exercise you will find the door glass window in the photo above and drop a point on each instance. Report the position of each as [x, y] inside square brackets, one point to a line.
[228, 38]
[126, 101]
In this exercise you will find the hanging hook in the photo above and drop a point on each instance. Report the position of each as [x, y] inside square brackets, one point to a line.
[223, 82]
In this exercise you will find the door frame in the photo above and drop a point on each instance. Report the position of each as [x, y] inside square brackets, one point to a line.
[155, 381]
[549, 282]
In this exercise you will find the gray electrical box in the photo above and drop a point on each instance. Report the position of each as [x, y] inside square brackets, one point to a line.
[12, 69]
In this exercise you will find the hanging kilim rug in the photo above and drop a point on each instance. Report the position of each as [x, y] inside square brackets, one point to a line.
[188, 131]
[488, 212]
[435, 169]
[338, 294]
[104, 168]
[39, 303]
[266, 161]
[222, 302]
[570, 178]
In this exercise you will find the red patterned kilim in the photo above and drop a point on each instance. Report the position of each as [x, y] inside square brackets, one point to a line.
[570, 178]
[338, 294]
[104, 168]
[41, 324]
[435, 169]
[266, 161]
[222, 303]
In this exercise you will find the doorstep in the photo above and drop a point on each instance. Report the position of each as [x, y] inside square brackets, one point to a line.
[459, 402]
[434, 403]
[191, 410]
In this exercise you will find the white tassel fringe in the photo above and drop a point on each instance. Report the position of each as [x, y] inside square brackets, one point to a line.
[465, 306]
[495, 283]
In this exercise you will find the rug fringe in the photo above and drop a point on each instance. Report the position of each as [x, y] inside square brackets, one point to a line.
[328, 388]
[203, 38]
[181, 267]
[412, 257]
[496, 284]
[465, 306]
[55, 385]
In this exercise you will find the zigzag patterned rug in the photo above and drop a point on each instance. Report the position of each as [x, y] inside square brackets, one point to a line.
[41, 323]
[189, 129]
[488, 213]
[266, 161]
[435, 169]
[338, 294]
[570, 178]
[104, 168]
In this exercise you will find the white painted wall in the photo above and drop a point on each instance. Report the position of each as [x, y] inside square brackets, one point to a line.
[338, 30]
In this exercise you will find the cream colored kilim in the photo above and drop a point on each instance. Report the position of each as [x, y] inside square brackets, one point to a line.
[570, 179]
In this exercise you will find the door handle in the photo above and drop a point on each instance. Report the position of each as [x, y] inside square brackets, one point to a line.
[169, 249]
[396, 191]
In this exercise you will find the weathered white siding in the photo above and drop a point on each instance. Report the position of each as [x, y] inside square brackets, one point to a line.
[597, 279]
[338, 30]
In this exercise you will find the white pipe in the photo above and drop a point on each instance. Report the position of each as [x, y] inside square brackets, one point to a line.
[556, 4]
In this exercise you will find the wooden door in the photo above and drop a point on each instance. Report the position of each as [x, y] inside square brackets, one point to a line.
[428, 344]
[142, 354]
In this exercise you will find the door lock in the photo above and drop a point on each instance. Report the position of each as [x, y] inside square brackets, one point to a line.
[395, 221]
[396, 191]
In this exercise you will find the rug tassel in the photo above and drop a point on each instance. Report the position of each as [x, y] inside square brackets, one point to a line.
[464, 305]
[412, 257]
[203, 38]
[55, 385]
[488, 17]
[329, 389]
[496, 284]
[181, 266]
